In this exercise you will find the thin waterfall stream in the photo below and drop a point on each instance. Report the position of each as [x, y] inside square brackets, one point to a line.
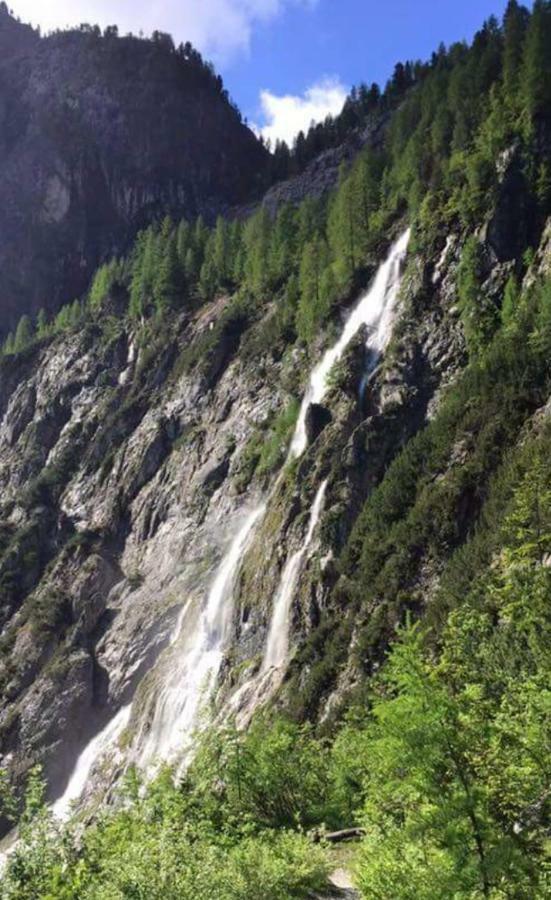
[198, 659]
[277, 644]
[93, 751]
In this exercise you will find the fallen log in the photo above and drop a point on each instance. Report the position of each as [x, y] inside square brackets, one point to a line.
[338, 837]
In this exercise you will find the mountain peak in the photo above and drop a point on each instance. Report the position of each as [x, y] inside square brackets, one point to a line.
[91, 152]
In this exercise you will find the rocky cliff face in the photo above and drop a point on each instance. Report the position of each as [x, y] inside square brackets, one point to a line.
[100, 135]
[136, 522]
[125, 476]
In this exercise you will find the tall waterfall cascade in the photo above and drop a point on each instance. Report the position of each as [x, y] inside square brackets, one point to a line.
[196, 668]
[375, 309]
[191, 674]
[199, 641]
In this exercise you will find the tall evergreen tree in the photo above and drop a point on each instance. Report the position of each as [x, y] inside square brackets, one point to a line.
[256, 238]
[208, 277]
[515, 22]
[343, 225]
[284, 243]
[168, 285]
[185, 239]
[536, 69]
[222, 252]
[9, 345]
[24, 334]
[314, 302]
[42, 324]
[143, 271]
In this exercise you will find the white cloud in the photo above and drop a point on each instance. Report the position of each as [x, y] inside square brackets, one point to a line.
[221, 29]
[285, 116]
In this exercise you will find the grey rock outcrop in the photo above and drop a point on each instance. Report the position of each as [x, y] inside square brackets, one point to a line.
[122, 487]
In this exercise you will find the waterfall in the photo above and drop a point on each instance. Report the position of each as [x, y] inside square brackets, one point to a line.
[375, 309]
[277, 644]
[197, 664]
[198, 641]
[93, 752]
[190, 677]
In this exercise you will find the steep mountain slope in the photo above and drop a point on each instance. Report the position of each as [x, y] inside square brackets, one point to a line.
[100, 135]
[291, 474]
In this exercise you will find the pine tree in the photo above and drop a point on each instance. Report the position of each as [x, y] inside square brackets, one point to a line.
[284, 243]
[310, 221]
[102, 283]
[314, 303]
[185, 240]
[200, 237]
[478, 313]
[75, 314]
[168, 284]
[63, 319]
[221, 250]
[208, 278]
[515, 22]
[510, 302]
[236, 250]
[42, 327]
[143, 272]
[192, 268]
[256, 238]
[343, 225]
[367, 192]
[24, 334]
[536, 69]
[8, 346]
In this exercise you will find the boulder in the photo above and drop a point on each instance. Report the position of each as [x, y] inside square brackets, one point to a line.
[318, 417]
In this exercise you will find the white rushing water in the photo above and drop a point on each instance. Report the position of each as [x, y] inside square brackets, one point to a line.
[92, 753]
[196, 668]
[199, 639]
[277, 644]
[375, 309]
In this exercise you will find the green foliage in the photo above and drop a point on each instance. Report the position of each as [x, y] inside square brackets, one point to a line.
[458, 777]
[23, 335]
[168, 286]
[315, 291]
[479, 315]
[41, 324]
[437, 163]
[268, 446]
[256, 242]
[104, 279]
[515, 22]
[276, 775]
[536, 71]
[454, 476]
[162, 843]
[510, 304]
[275, 444]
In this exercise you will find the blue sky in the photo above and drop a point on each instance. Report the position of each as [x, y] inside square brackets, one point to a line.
[286, 61]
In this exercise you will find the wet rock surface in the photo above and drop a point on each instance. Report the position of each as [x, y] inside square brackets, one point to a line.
[121, 495]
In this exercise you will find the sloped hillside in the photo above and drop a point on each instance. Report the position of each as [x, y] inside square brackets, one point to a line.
[99, 136]
[275, 526]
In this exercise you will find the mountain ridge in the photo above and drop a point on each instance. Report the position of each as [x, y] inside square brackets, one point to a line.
[90, 156]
